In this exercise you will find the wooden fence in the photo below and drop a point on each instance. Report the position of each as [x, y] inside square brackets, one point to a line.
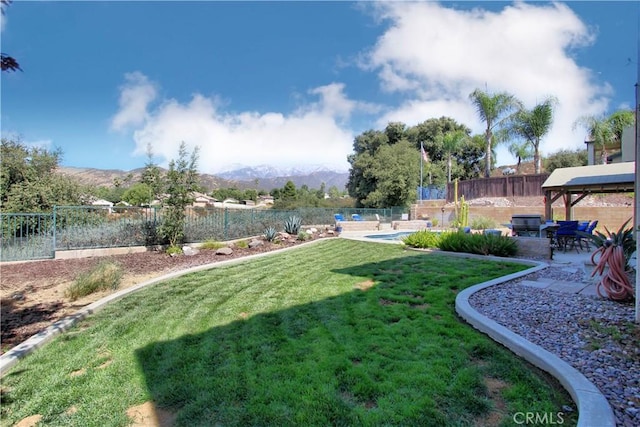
[503, 186]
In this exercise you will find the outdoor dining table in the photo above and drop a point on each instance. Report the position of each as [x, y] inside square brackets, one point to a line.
[549, 228]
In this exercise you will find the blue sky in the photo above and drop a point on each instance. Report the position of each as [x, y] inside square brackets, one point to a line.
[290, 84]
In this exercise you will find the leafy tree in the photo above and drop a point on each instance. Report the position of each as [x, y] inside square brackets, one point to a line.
[182, 181]
[471, 158]
[395, 172]
[565, 159]
[521, 151]
[604, 131]
[138, 194]
[395, 132]
[334, 193]
[533, 125]
[289, 191]
[494, 110]
[28, 181]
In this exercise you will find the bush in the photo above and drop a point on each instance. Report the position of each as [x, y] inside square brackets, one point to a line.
[303, 236]
[211, 245]
[105, 275]
[242, 244]
[480, 244]
[174, 250]
[422, 239]
[483, 223]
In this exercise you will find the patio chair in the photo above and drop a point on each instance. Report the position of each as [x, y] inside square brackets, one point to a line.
[566, 235]
[356, 217]
[589, 230]
[338, 217]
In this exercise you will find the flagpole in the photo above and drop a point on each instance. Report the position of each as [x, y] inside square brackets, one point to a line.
[421, 164]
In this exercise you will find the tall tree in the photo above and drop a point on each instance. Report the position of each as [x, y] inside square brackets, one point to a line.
[395, 172]
[182, 181]
[494, 110]
[451, 143]
[152, 176]
[532, 125]
[605, 131]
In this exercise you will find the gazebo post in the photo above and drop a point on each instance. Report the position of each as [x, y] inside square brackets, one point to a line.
[568, 198]
[547, 206]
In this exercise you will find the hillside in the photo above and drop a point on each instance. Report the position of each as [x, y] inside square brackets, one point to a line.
[106, 177]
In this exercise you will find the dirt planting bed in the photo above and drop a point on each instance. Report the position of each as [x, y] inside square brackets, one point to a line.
[32, 294]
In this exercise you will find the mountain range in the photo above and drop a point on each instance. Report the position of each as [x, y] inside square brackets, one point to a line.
[260, 177]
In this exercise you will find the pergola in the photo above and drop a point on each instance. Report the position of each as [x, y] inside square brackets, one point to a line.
[574, 184]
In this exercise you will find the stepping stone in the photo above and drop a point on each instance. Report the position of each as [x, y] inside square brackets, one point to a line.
[535, 284]
[589, 290]
[569, 287]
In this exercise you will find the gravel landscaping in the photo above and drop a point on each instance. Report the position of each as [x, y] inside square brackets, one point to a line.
[596, 336]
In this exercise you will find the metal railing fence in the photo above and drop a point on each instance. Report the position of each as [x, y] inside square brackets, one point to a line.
[38, 235]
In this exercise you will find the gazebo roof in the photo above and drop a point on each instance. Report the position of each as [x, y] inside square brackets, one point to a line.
[610, 178]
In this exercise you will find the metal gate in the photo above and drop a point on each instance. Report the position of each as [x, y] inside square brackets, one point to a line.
[26, 236]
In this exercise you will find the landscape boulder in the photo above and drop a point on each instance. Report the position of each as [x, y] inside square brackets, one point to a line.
[224, 251]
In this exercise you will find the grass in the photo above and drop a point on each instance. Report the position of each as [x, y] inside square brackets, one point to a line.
[106, 275]
[211, 245]
[336, 333]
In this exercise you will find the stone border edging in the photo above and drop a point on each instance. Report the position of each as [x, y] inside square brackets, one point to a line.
[13, 356]
[593, 408]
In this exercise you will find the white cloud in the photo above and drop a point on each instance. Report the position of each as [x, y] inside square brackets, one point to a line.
[312, 135]
[436, 56]
[135, 96]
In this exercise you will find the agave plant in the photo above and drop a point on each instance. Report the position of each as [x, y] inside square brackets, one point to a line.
[292, 225]
[614, 251]
[270, 234]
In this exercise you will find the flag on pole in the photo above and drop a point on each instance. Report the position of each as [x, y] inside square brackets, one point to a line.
[425, 156]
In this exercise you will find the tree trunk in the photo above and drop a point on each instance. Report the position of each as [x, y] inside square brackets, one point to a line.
[449, 168]
[487, 166]
[536, 160]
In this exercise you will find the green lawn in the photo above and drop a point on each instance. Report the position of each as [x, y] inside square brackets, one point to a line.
[335, 333]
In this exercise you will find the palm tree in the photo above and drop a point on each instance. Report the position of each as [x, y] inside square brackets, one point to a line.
[607, 130]
[493, 110]
[521, 151]
[451, 142]
[533, 125]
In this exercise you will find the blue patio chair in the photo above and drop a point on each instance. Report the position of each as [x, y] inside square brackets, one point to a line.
[566, 235]
[589, 230]
[356, 217]
[338, 217]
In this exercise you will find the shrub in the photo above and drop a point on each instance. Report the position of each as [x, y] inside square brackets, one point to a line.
[483, 223]
[480, 244]
[242, 244]
[105, 275]
[422, 239]
[174, 250]
[292, 225]
[211, 245]
[303, 235]
[270, 234]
